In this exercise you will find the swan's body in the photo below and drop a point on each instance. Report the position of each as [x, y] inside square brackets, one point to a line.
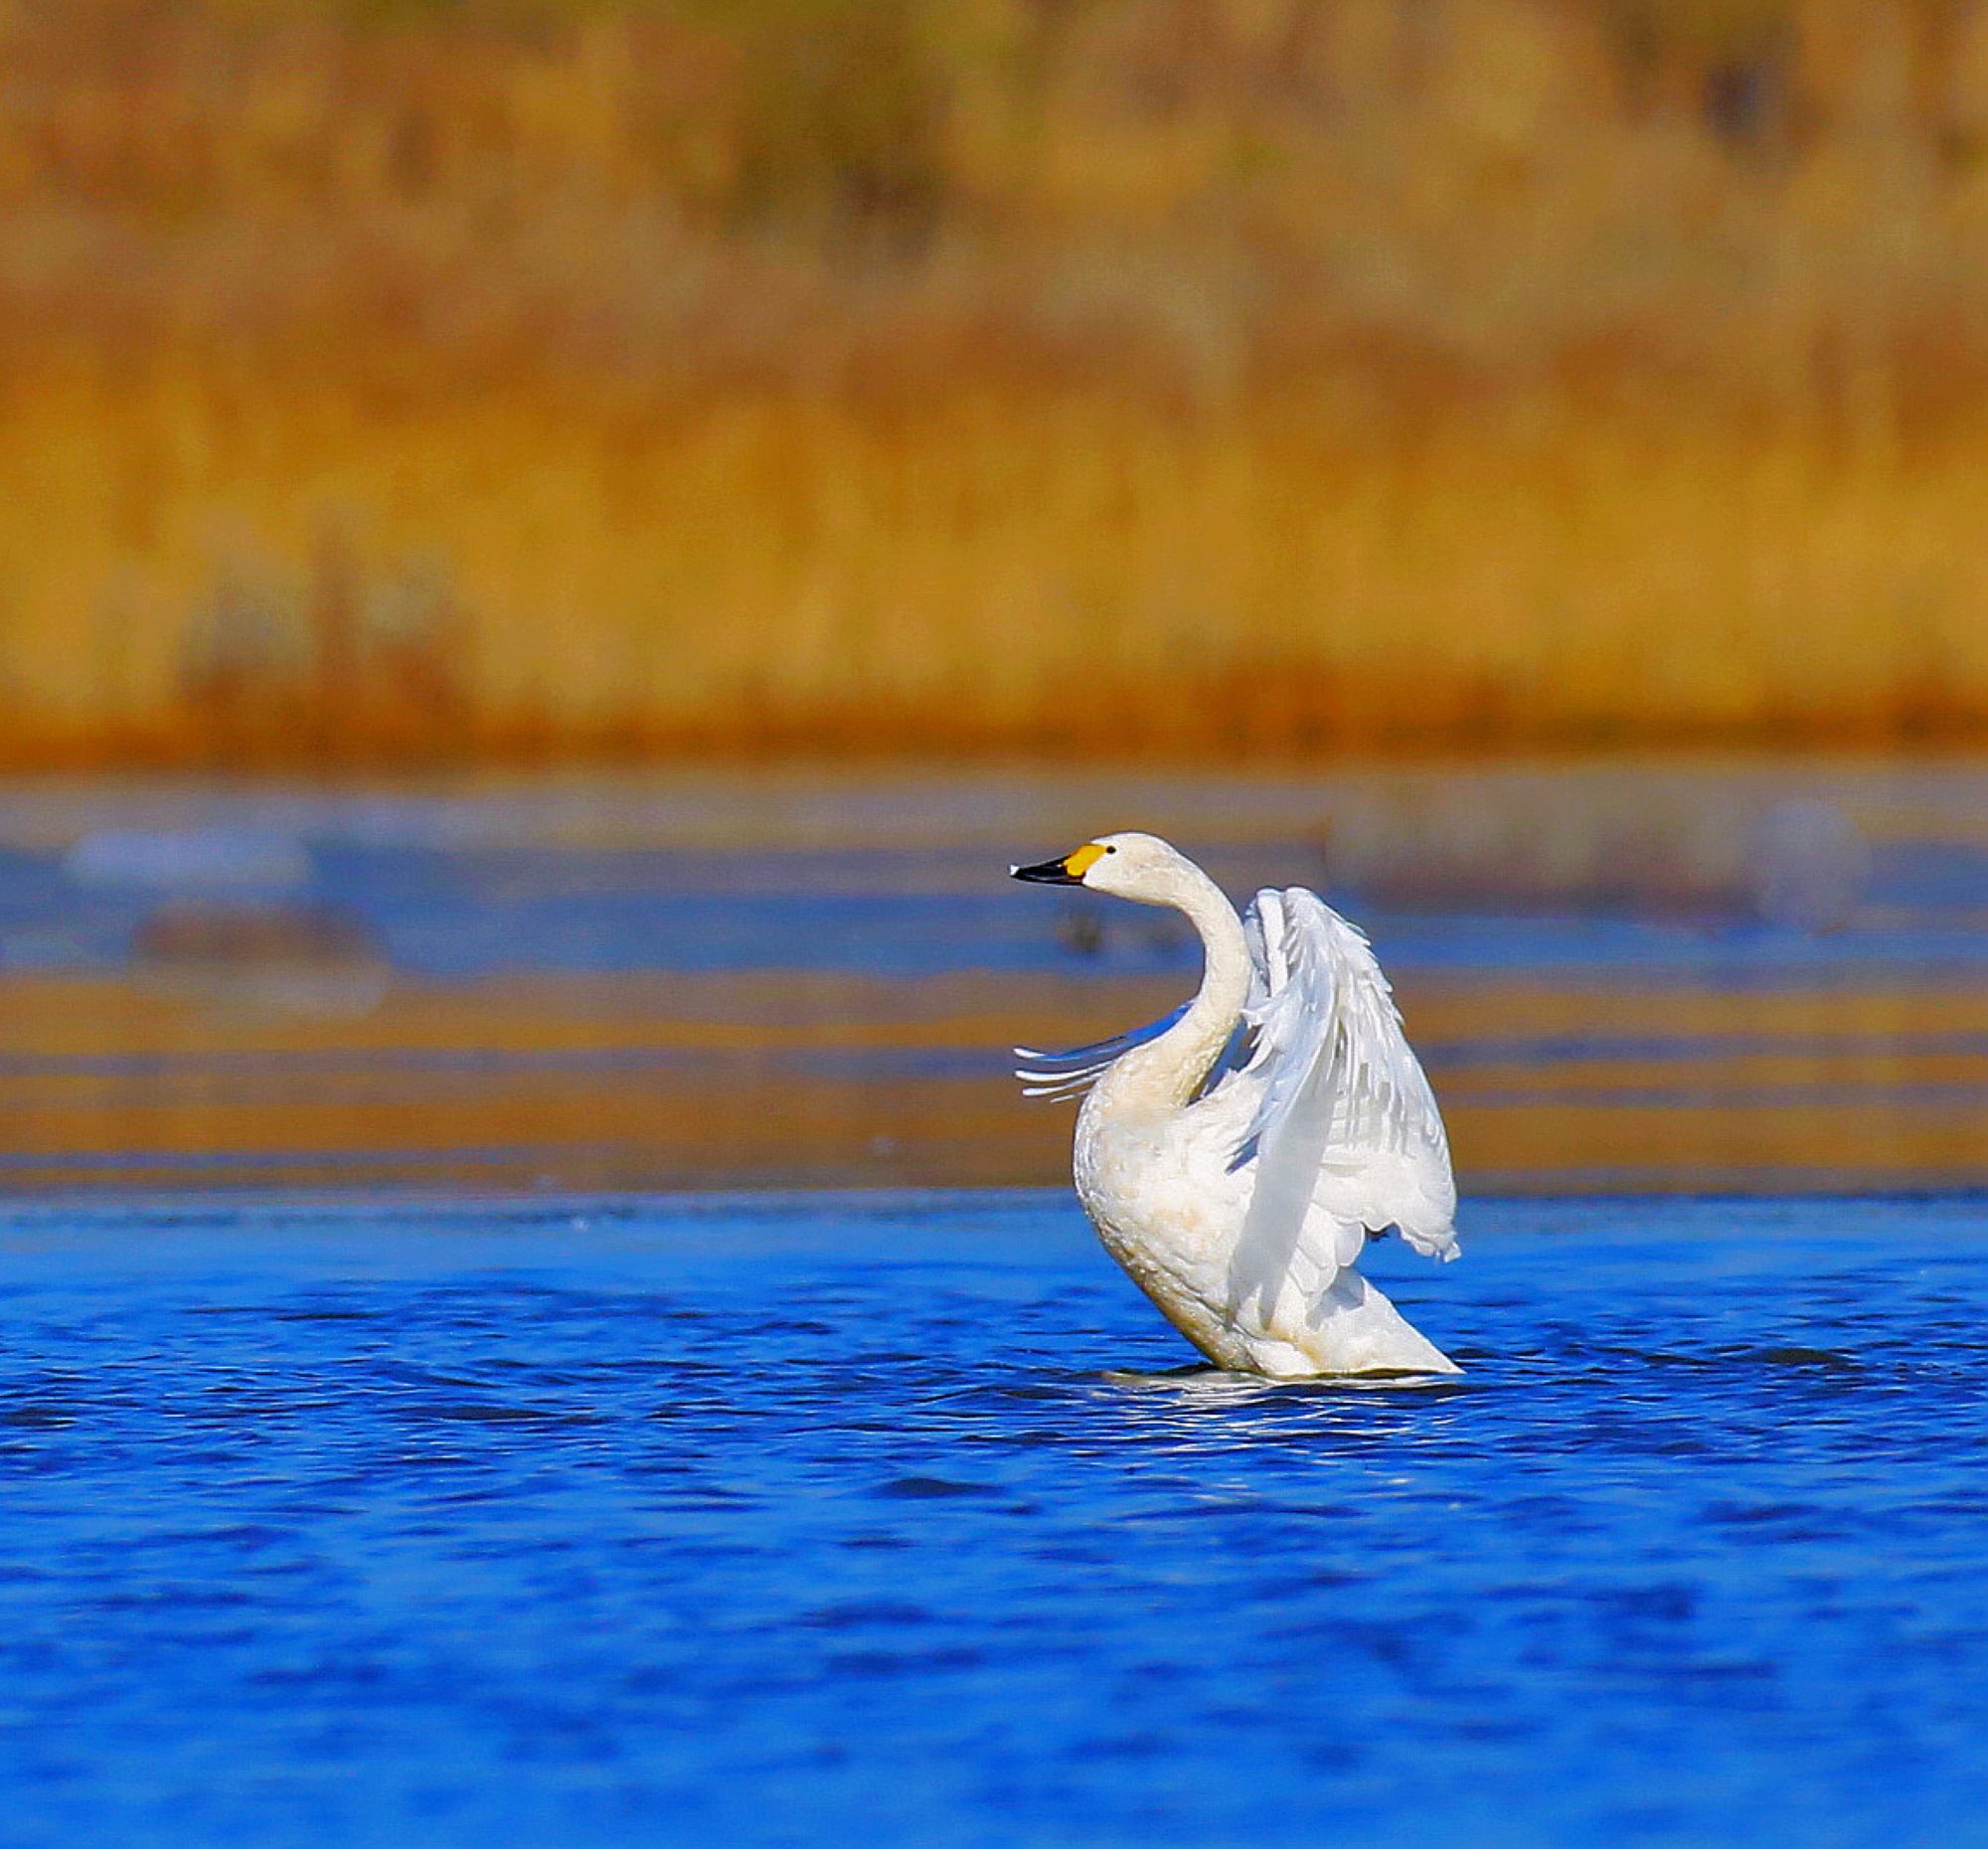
[1236, 1158]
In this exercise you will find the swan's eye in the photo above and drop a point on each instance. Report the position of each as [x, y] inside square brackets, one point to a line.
[1111, 850]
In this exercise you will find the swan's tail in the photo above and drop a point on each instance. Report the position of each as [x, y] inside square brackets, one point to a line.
[1434, 1240]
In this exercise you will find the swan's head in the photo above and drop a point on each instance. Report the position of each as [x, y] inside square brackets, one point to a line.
[1138, 867]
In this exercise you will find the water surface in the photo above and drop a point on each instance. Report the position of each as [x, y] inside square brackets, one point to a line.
[899, 1519]
[1621, 974]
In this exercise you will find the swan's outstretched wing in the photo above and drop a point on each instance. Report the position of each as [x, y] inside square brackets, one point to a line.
[1343, 1115]
[1066, 1075]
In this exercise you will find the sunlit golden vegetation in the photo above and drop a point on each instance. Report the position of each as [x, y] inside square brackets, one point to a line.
[401, 380]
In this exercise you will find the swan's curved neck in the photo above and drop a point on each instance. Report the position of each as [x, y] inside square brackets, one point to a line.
[1167, 1070]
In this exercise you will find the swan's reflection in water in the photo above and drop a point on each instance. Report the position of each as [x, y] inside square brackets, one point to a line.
[1218, 1389]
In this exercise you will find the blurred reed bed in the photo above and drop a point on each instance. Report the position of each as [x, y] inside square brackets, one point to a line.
[1238, 377]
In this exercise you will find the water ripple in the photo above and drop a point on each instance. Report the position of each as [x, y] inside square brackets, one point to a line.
[903, 1516]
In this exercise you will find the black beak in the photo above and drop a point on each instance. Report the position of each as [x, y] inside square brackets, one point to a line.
[1046, 872]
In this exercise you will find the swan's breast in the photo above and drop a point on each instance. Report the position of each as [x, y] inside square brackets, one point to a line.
[1158, 1187]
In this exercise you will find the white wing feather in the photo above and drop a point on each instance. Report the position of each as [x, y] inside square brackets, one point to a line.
[1345, 1136]
[1075, 1071]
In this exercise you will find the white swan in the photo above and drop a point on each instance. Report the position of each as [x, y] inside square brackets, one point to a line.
[1236, 1156]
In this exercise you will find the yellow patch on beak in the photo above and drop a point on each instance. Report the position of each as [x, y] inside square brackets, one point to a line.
[1079, 862]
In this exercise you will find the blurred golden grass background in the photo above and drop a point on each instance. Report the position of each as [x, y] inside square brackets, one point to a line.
[395, 381]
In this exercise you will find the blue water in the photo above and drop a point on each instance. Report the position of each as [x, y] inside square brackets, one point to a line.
[902, 1520]
[904, 874]
[455, 916]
